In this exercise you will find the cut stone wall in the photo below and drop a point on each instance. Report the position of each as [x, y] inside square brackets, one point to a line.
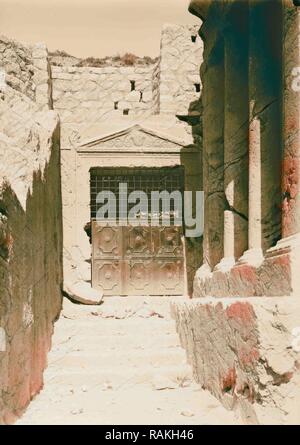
[156, 88]
[42, 76]
[30, 237]
[91, 101]
[16, 60]
[246, 352]
[86, 96]
[26, 69]
[181, 56]
[271, 278]
[30, 262]
[135, 148]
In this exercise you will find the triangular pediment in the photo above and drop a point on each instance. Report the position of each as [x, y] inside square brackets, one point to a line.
[135, 137]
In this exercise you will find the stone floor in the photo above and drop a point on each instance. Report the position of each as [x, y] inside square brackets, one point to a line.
[121, 363]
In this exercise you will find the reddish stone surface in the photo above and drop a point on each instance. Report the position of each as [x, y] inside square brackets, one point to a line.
[248, 357]
[245, 272]
[290, 188]
[229, 380]
[242, 312]
[31, 282]
[272, 278]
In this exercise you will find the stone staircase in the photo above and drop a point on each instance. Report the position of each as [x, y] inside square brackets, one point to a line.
[120, 363]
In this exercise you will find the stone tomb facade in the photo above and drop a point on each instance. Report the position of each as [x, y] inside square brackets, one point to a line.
[242, 335]
[131, 149]
[125, 117]
[58, 122]
[251, 164]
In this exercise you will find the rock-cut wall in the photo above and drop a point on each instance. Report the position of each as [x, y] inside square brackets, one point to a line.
[30, 239]
[17, 61]
[180, 56]
[246, 352]
[86, 96]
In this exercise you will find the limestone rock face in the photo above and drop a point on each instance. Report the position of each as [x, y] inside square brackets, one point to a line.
[85, 96]
[242, 146]
[16, 60]
[82, 292]
[26, 69]
[246, 353]
[30, 230]
[181, 56]
[271, 278]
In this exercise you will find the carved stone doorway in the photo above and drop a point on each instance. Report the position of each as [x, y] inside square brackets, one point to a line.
[137, 260]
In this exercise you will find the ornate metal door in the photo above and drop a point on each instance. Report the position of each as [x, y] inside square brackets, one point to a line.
[138, 260]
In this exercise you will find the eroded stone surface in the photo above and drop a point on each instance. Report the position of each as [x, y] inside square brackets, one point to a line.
[82, 292]
[30, 232]
[245, 353]
[121, 363]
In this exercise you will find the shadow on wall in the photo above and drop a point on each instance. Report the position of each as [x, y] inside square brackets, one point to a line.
[30, 285]
[230, 82]
[193, 182]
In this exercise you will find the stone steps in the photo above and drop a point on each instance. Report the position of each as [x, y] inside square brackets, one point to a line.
[107, 369]
[119, 375]
[163, 341]
[110, 327]
[135, 359]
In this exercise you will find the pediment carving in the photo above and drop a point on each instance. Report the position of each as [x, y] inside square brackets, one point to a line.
[132, 139]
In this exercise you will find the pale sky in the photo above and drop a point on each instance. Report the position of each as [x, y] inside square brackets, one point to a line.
[92, 27]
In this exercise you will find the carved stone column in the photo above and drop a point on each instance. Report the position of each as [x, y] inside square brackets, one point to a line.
[287, 251]
[212, 75]
[264, 130]
[236, 114]
[291, 122]
[254, 256]
[254, 224]
[213, 121]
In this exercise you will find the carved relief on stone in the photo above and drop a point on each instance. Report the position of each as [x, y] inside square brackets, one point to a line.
[133, 139]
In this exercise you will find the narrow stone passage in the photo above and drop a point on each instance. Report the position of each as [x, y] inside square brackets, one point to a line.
[121, 363]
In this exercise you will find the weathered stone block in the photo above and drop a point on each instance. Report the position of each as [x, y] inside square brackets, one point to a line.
[247, 349]
[30, 256]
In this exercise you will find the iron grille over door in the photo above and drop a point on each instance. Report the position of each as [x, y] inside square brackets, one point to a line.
[146, 180]
[136, 260]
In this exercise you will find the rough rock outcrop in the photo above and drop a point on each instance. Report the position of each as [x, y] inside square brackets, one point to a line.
[30, 230]
[82, 292]
[246, 353]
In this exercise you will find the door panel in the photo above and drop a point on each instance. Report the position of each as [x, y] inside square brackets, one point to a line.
[138, 277]
[137, 241]
[107, 241]
[169, 275]
[139, 260]
[106, 276]
[168, 241]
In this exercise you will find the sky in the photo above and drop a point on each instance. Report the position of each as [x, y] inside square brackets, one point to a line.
[93, 27]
